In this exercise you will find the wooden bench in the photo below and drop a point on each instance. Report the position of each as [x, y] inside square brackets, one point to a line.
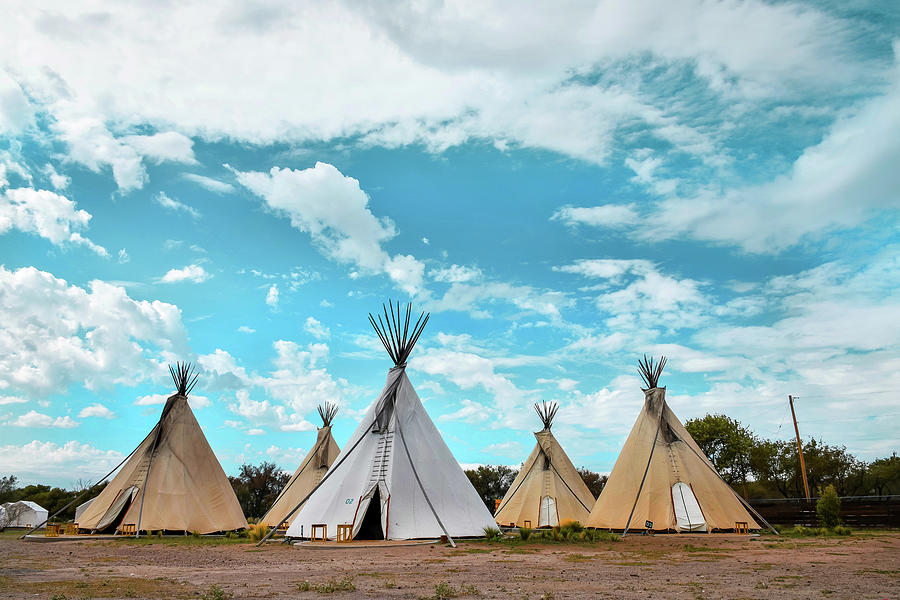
[128, 529]
[323, 527]
[742, 527]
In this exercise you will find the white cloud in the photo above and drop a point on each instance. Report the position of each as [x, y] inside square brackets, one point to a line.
[606, 215]
[256, 431]
[334, 211]
[123, 256]
[245, 329]
[272, 296]
[470, 412]
[46, 214]
[471, 297]
[35, 419]
[505, 449]
[607, 268]
[175, 206]
[96, 410]
[55, 464]
[193, 273]
[97, 336]
[16, 112]
[456, 274]
[195, 401]
[169, 146]
[563, 383]
[316, 329]
[58, 181]
[213, 185]
[12, 400]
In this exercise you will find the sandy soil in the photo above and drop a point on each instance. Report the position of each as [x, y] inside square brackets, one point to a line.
[664, 566]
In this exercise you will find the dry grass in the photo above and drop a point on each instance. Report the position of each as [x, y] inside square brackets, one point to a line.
[102, 587]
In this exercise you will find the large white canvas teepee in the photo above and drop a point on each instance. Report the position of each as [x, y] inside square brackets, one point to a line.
[662, 476]
[308, 474]
[395, 478]
[548, 490]
[172, 481]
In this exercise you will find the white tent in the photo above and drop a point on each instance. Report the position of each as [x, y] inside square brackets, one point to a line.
[396, 478]
[24, 514]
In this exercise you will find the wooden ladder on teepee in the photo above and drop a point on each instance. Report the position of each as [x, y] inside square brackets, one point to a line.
[381, 459]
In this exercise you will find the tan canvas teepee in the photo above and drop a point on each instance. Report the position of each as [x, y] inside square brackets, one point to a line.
[663, 476]
[308, 474]
[172, 481]
[548, 490]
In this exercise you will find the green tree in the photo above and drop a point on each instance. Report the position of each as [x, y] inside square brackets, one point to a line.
[828, 508]
[7, 488]
[883, 475]
[727, 443]
[257, 487]
[593, 480]
[491, 482]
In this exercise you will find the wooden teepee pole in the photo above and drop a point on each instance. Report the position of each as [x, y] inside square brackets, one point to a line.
[799, 448]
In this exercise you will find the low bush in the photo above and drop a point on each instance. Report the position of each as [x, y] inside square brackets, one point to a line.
[492, 533]
[215, 593]
[524, 533]
[841, 530]
[258, 532]
[329, 587]
[828, 508]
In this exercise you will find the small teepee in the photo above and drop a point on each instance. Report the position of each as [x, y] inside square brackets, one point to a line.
[548, 490]
[172, 481]
[663, 477]
[309, 473]
[395, 478]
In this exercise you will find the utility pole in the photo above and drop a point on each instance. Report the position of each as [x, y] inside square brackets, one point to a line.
[799, 447]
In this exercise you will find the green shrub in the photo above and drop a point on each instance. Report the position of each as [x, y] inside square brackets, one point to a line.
[215, 593]
[491, 533]
[329, 587]
[572, 525]
[828, 508]
[195, 534]
[444, 590]
[524, 533]
[841, 530]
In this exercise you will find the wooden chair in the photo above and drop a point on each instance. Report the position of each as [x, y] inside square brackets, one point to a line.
[71, 529]
[323, 527]
[51, 531]
[128, 529]
[742, 527]
[345, 533]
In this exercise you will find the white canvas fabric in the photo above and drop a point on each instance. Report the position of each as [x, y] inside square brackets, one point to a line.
[375, 459]
[688, 514]
[24, 513]
[79, 510]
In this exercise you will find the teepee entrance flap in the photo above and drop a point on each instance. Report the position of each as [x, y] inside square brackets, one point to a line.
[688, 515]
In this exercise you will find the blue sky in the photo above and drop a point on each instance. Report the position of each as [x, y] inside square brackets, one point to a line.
[564, 188]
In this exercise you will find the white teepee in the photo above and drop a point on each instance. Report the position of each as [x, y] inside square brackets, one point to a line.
[308, 474]
[548, 490]
[663, 477]
[172, 481]
[395, 479]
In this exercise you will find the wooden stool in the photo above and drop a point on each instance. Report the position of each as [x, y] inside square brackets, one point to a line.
[72, 529]
[527, 524]
[51, 531]
[323, 527]
[741, 527]
[128, 529]
[345, 533]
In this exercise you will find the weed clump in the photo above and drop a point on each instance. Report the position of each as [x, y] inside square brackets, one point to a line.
[258, 531]
[491, 533]
[524, 533]
[215, 593]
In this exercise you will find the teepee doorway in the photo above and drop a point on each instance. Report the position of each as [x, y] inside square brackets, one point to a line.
[370, 527]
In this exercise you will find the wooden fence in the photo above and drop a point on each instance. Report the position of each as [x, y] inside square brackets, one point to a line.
[856, 511]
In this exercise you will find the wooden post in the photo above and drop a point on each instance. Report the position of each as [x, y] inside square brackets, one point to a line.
[799, 448]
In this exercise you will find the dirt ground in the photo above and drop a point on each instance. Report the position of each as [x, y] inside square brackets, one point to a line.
[664, 566]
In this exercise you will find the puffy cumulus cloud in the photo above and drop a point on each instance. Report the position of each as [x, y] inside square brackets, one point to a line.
[192, 273]
[334, 211]
[316, 329]
[169, 146]
[96, 336]
[246, 329]
[470, 412]
[35, 419]
[607, 268]
[505, 449]
[16, 112]
[296, 384]
[606, 215]
[175, 206]
[46, 214]
[96, 410]
[59, 181]
[12, 400]
[456, 274]
[57, 464]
